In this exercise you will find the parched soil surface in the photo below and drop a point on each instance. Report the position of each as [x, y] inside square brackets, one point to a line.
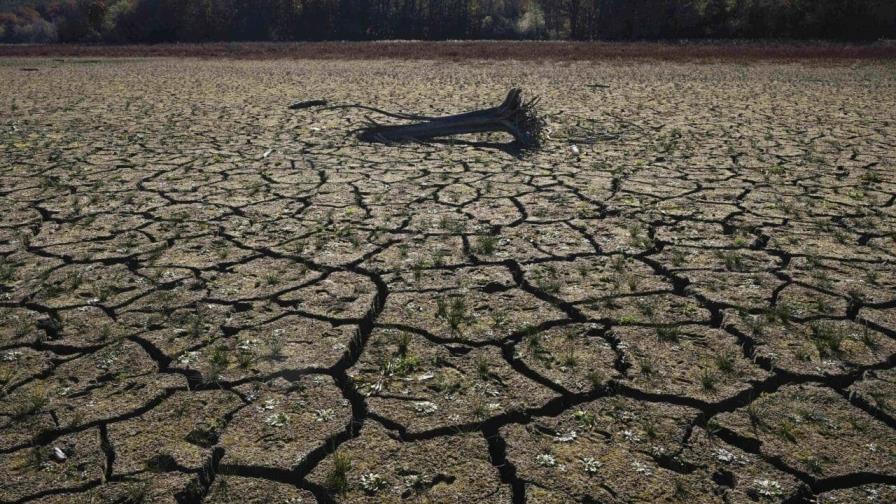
[727, 50]
[207, 297]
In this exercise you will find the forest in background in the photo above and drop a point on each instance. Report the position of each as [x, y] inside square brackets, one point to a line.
[157, 21]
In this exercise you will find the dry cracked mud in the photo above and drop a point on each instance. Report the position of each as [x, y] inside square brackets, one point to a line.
[207, 297]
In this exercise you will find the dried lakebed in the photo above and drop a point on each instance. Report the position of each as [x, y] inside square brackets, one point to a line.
[207, 297]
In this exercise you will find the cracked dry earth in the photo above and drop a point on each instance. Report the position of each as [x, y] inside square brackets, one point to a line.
[207, 297]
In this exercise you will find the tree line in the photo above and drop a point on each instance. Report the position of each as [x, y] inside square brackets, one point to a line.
[155, 21]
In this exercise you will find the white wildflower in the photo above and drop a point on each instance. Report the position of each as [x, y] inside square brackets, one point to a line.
[641, 468]
[546, 460]
[569, 437]
[724, 455]
[277, 420]
[247, 345]
[768, 488]
[425, 407]
[188, 357]
[106, 362]
[373, 482]
[323, 415]
[413, 481]
[12, 355]
[590, 465]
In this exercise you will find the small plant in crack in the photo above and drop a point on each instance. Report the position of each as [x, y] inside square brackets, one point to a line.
[668, 333]
[7, 270]
[741, 241]
[483, 367]
[485, 244]
[756, 414]
[245, 357]
[135, 493]
[787, 430]
[218, 360]
[583, 269]
[30, 403]
[647, 365]
[631, 281]
[678, 258]
[101, 292]
[105, 332]
[272, 279]
[781, 313]
[637, 236]
[680, 490]
[534, 344]
[548, 280]
[480, 409]
[194, 327]
[823, 278]
[827, 338]
[618, 263]
[453, 311]
[446, 384]
[733, 260]
[298, 246]
[569, 358]
[597, 378]
[402, 341]
[649, 426]
[708, 380]
[7, 375]
[725, 362]
[438, 257]
[867, 338]
[870, 178]
[275, 343]
[713, 426]
[499, 318]
[803, 353]
[646, 306]
[130, 240]
[586, 420]
[53, 290]
[22, 327]
[74, 281]
[337, 478]
[417, 269]
[814, 464]
[400, 366]
[452, 225]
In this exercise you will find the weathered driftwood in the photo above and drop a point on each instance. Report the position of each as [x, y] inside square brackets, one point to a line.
[513, 116]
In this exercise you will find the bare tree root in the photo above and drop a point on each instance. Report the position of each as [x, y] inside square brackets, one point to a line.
[513, 116]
